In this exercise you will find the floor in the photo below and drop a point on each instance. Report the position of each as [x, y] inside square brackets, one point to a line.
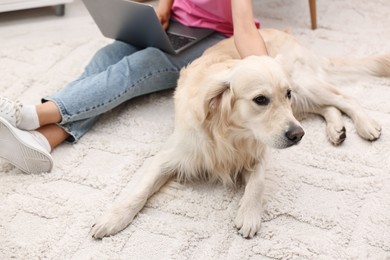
[322, 201]
[35, 24]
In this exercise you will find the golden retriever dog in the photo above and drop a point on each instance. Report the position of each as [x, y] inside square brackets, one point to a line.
[230, 111]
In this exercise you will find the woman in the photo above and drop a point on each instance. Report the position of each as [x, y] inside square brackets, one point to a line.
[117, 73]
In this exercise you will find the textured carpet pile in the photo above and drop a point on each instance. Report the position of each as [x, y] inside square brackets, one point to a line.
[322, 201]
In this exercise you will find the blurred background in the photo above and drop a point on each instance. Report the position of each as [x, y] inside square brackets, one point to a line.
[32, 24]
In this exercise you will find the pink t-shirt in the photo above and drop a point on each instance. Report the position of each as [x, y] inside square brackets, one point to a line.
[211, 14]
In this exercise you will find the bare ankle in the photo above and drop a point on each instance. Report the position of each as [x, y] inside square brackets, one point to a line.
[48, 113]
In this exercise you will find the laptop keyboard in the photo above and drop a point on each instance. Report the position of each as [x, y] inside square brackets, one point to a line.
[179, 41]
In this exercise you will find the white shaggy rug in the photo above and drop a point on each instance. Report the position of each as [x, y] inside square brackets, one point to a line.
[323, 202]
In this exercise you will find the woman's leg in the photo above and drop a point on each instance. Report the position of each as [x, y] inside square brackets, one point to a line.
[54, 134]
[145, 71]
[107, 56]
[49, 114]
[111, 78]
[30, 150]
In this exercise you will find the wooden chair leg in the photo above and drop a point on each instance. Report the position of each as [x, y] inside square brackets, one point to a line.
[313, 14]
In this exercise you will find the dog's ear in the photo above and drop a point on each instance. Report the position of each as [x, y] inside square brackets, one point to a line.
[217, 94]
[214, 95]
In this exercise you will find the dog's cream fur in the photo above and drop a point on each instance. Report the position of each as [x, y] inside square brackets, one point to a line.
[228, 111]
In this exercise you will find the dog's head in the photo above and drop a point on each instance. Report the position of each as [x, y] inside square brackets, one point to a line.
[253, 95]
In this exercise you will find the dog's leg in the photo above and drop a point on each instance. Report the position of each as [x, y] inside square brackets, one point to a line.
[365, 126]
[126, 207]
[248, 220]
[334, 124]
[319, 94]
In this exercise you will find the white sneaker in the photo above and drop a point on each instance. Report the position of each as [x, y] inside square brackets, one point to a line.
[10, 110]
[21, 149]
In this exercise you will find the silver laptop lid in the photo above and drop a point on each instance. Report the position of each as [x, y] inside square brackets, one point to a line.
[137, 24]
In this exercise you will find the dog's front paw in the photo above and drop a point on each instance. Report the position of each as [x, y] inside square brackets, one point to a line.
[111, 223]
[368, 129]
[248, 221]
[336, 135]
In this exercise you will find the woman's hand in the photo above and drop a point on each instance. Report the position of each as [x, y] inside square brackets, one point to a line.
[163, 12]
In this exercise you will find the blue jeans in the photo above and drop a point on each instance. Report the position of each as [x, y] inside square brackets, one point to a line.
[119, 72]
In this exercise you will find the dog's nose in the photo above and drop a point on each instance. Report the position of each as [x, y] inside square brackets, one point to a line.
[295, 134]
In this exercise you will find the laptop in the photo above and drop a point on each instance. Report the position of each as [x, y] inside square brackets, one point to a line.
[138, 24]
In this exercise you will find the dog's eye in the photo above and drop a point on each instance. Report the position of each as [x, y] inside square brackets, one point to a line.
[261, 100]
[288, 94]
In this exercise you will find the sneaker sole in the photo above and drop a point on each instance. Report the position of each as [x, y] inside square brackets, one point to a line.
[21, 154]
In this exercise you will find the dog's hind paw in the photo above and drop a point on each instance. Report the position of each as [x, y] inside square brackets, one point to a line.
[248, 222]
[111, 223]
